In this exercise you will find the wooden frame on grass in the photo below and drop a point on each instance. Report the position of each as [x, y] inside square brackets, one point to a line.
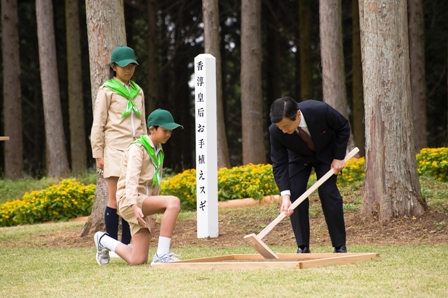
[256, 261]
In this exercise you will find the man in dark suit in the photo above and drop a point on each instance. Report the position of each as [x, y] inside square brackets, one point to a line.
[294, 158]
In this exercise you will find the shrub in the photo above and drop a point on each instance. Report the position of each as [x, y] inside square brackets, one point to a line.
[354, 170]
[68, 199]
[183, 186]
[256, 181]
[249, 181]
[433, 162]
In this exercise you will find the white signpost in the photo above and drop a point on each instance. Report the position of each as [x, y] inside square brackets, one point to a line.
[206, 146]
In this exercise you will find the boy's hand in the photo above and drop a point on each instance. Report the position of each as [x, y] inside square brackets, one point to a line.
[139, 215]
[153, 226]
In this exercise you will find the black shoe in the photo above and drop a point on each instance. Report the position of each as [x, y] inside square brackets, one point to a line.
[303, 250]
[340, 249]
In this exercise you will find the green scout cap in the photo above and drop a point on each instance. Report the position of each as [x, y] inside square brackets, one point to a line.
[123, 56]
[162, 118]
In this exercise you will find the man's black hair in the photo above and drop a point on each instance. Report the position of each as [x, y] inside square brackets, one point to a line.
[284, 107]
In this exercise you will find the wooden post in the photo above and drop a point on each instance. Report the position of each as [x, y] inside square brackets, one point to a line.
[206, 146]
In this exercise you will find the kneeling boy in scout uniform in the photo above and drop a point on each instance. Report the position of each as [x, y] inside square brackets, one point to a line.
[138, 197]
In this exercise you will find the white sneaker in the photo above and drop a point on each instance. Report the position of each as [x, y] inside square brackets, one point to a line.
[102, 253]
[166, 258]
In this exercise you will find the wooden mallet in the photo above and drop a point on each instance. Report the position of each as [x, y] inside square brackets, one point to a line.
[255, 240]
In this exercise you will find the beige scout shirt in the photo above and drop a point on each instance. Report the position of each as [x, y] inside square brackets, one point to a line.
[137, 172]
[111, 134]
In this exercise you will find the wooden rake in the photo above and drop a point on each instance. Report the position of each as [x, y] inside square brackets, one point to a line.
[255, 240]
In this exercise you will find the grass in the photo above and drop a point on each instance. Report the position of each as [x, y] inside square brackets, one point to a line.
[61, 272]
[400, 271]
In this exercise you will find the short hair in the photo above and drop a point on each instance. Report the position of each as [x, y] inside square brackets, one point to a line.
[284, 107]
[112, 72]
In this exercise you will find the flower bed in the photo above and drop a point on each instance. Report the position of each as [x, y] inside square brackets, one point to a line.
[71, 199]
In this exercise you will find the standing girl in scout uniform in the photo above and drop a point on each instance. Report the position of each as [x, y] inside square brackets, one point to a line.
[119, 119]
[139, 200]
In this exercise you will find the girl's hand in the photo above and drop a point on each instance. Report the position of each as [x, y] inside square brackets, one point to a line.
[100, 163]
[139, 215]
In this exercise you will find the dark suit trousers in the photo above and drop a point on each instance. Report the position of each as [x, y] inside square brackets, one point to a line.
[331, 201]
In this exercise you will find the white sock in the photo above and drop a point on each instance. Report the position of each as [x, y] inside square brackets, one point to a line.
[109, 242]
[164, 246]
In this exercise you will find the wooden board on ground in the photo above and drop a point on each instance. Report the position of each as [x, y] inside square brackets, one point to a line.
[256, 261]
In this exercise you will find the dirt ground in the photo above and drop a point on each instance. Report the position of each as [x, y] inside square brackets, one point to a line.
[429, 229]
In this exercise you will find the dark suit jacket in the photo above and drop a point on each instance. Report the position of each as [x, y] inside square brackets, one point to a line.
[329, 131]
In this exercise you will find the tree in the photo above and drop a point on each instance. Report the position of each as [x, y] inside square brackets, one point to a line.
[12, 99]
[306, 72]
[210, 16]
[75, 94]
[57, 163]
[333, 72]
[251, 99]
[357, 99]
[152, 94]
[392, 188]
[273, 56]
[418, 82]
[106, 30]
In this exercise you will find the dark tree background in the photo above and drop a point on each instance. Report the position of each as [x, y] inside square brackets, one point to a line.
[180, 39]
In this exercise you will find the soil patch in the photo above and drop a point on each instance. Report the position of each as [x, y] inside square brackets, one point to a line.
[429, 229]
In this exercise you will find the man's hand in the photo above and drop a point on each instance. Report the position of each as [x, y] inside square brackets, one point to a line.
[337, 165]
[139, 215]
[286, 203]
[100, 163]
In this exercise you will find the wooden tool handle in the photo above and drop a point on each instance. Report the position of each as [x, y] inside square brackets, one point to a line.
[6, 138]
[305, 195]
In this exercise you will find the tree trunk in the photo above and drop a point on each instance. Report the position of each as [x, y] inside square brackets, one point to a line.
[357, 100]
[57, 163]
[106, 30]
[96, 219]
[418, 81]
[332, 56]
[75, 92]
[12, 96]
[210, 13]
[392, 185]
[306, 61]
[273, 72]
[152, 94]
[251, 96]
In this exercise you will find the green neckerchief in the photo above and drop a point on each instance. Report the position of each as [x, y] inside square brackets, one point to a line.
[157, 160]
[130, 94]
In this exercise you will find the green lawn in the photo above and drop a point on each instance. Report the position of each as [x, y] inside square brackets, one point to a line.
[402, 271]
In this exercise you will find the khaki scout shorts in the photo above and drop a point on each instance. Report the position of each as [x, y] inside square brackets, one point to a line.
[128, 215]
[112, 161]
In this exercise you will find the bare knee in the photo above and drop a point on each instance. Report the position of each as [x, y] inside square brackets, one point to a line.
[173, 204]
[138, 260]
